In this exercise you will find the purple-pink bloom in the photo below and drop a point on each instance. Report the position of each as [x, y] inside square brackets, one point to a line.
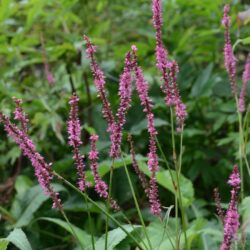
[142, 90]
[50, 77]
[125, 91]
[245, 79]
[160, 51]
[99, 80]
[115, 124]
[234, 179]
[229, 59]
[74, 132]
[154, 196]
[168, 69]
[231, 221]
[140, 174]
[20, 115]
[180, 107]
[219, 209]
[42, 169]
[100, 186]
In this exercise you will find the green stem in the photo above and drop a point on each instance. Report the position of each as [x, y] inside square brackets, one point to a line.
[130, 223]
[247, 164]
[91, 225]
[240, 148]
[72, 229]
[165, 159]
[108, 203]
[180, 196]
[165, 231]
[136, 204]
[181, 151]
[99, 207]
[177, 187]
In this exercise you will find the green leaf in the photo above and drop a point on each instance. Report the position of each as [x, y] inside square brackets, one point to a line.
[4, 9]
[19, 239]
[138, 128]
[244, 209]
[104, 166]
[163, 178]
[83, 236]
[202, 83]
[31, 203]
[114, 237]
[3, 244]
[244, 41]
[162, 234]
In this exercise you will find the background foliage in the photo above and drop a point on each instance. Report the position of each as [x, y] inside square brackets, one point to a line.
[193, 36]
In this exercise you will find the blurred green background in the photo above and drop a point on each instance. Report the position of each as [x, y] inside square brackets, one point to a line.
[35, 33]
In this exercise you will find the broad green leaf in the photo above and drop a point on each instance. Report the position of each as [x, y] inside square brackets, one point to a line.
[83, 236]
[163, 178]
[114, 237]
[19, 239]
[31, 203]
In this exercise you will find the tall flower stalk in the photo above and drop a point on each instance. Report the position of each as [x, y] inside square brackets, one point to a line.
[231, 221]
[115, 123]
[229, 59]
[42, 169]
[153, 165]
[230, 65]
[125, 91]
[140, 174]
[74, 132]
[169, 70]
[245, 79]
[100, 82]
[100, 186]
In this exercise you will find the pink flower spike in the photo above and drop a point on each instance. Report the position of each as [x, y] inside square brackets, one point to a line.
[100, 186]
[74, 140]
[160, 51]
[20, 115]
[99, 80]
[234, 179]
[125, 91]
[142, 90]
[245, 79]
[140, 174]
[154, 197]
[168, 69]
[229, 59]
[42, 169]
[231, 221]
